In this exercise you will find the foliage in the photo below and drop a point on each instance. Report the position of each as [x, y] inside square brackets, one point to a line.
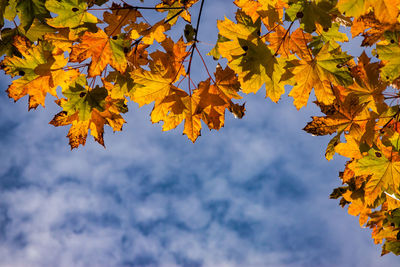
[101, 62]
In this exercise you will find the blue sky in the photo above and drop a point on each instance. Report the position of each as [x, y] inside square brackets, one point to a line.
[255, 193]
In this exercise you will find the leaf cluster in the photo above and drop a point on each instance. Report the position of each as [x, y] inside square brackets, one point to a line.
[94, 65]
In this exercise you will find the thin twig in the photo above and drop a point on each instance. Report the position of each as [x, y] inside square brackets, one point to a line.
[194, 42]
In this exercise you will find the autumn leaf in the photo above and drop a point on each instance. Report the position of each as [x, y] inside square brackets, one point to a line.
[347, 116]
[174, 10]
[71, 13]
[386, 11]
[244, 30]
[214, 99]
[319, 73]
[175, 107]
[389, 53]
[119, 18]
[351, 149]
[88, 109]
[368, 86]
[148, 33]
[371, 29]
[102, 50]
[384, 168]
[119, 85]
[170, 62]
[41, 71]
[353, 8]
[150, 87]
[28, 10]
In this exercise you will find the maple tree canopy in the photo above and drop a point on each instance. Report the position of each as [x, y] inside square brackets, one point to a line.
[99, 63]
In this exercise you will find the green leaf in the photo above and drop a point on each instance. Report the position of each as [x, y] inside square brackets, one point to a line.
[389, 53]
[189, 32]
[82, 100]
[330, 150]
[331, 62]
[330, 36]
[255, 66]
[311, 13]
[37, 30]
[123, 84]
[395, 218]
[28, 10]
[71, 13]
[3, 5]
[34, 57]
[11, 10]
[7, 39]
[392, 246]
[352, 8]
[385, 173]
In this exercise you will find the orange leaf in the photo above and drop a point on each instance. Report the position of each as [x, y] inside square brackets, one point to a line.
[102, 50]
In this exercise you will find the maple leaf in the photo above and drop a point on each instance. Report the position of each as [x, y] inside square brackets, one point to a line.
[250, 57]
[62, 40]
[169, 63]
[357, 205]
[41, 71]
[368, 86]
[150, 33]
[71, 13]
[36, 30]
[351, 149]
[234, 33]
[119, 85]
[175, 107]
[28, 10]
[88, 109]
[319, 73]
[207, 102]
[150, 86]
[166, 68]
[389, 53]
[271, 12]
[137, 57]
[312, 13]
[383, 165]
[347, 116]
[386, 11]
[250, 8]
[119, 18]
[102, 50]
[173, 10]
[371, 29]
[353, 8]
[214, 99]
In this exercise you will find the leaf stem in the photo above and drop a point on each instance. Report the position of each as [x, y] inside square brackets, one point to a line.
[194, 42]
[283, 38]
[204, 63]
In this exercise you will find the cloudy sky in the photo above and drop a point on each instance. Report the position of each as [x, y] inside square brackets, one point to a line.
[256, 193]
